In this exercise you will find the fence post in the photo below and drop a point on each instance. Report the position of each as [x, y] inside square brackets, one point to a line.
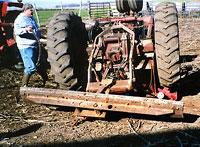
[110, 10]
[80, 9]
[183, 9]
[61, 6]
[38, 20]
[89, 11]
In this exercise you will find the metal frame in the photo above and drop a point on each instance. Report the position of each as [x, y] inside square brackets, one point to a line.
[99, 10]
[101, 49]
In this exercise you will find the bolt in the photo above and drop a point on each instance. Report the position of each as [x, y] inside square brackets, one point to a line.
[98, 112]
[95, 105]
[160, 95]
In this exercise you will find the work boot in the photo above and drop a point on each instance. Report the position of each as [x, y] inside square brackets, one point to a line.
[25, 80]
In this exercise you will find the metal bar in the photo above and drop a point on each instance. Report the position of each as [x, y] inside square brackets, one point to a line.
[6, 24]
[99, 3]
[106, 102]
[13, 4]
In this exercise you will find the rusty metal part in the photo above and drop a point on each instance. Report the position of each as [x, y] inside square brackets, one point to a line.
[6, 24]
[147, 45]
[104, 84]
[191, 105]
[114, 55]
[89, 113]
[76, 121]
[106, 102]
[148, 21]
[119, 85]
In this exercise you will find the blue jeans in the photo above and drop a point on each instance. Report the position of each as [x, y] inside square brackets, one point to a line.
[28, 57]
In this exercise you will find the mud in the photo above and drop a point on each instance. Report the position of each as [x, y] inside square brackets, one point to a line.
[25, 124]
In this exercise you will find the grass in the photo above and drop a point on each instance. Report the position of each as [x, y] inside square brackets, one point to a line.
[44, 15]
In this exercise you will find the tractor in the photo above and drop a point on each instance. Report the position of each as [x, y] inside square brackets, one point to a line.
[107, 66]
[131, 54]
[9, 54]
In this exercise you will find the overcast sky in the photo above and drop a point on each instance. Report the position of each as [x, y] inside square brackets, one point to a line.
[53, 3]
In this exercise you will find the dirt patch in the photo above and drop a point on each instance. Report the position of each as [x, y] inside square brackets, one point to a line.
[25, 124]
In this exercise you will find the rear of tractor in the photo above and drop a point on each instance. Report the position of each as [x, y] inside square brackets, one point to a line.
[136, 54]
[130, 54]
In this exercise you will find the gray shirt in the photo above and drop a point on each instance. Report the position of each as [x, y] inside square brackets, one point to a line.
[25, 39]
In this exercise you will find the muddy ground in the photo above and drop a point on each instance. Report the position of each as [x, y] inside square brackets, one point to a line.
[26, 124]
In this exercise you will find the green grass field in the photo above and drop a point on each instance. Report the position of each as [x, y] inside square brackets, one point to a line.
[44, 15]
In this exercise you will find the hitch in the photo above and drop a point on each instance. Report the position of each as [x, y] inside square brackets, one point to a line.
[103, 102]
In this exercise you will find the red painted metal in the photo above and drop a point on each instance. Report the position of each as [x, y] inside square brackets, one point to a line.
[5, 42]
[147, 20]
[6, 24]
[113, 53]
[4, 9]
[124, 19]
[172, 96]
[10, 42]
[153, 83]
[148, 48]
[112, 39]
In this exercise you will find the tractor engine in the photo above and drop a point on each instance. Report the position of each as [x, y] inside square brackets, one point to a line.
[114, 59]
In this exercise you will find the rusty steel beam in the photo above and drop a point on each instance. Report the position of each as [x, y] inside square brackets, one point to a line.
[106, 102]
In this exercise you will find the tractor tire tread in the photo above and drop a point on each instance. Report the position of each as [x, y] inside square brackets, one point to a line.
[64, 52]
[167, 44]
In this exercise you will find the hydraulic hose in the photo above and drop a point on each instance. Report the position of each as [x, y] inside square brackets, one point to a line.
[39, 48]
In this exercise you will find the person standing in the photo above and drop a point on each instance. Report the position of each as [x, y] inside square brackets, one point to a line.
[27, 35]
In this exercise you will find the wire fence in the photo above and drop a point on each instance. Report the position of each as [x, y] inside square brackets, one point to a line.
[189, 14]
[182, 14]
[99, 10]
[103, 9]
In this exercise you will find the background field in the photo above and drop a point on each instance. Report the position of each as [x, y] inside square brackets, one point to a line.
[44, 15]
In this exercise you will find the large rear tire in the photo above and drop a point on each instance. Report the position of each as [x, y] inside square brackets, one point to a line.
[135, 5]
[66, 47]
[167, 44]
[122, 6]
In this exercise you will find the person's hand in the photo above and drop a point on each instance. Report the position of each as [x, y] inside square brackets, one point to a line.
[29, 29]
